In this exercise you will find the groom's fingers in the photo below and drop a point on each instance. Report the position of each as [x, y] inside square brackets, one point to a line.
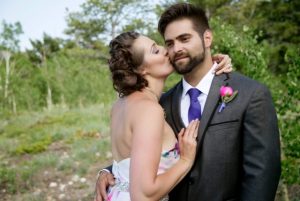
[105, 180]
[97, 192]
[111, 179]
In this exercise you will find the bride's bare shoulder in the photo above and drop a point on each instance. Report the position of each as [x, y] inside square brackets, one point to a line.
[145, 106]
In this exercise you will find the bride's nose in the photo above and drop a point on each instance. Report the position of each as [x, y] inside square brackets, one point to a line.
[164, 51]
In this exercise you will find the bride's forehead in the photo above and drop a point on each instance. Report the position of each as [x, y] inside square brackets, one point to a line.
[144, 42]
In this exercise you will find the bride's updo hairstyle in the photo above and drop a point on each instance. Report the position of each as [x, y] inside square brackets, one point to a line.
[124, 63]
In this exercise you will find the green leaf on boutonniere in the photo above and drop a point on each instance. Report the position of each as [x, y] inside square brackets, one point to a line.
[227, 99]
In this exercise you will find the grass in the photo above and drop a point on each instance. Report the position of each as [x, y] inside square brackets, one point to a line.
[37, 148]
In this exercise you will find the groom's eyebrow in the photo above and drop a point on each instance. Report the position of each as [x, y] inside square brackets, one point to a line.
[183, 35]
[178, 37]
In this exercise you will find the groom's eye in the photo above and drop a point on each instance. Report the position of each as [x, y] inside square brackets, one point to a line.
[185, 39]
[169, 45]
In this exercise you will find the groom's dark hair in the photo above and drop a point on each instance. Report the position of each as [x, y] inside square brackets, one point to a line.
[181, 11]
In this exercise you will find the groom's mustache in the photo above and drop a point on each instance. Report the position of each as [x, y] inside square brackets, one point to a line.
[178, 56]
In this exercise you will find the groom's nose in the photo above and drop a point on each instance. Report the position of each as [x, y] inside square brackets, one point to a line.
[177, 47]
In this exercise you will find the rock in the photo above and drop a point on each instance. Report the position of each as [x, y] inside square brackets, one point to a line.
[61, 196]
[75, 178]
[108, 155]
[53, 185]
[62, 187]
[82, 180]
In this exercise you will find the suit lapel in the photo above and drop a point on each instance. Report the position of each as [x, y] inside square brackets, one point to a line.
[211, 103]
[175, 108]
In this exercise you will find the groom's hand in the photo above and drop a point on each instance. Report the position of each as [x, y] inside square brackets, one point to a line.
[104, 180]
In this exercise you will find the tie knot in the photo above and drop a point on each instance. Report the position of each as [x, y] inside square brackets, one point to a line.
[194, 93]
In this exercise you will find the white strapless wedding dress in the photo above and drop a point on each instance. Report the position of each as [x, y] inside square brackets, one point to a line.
[120, 191]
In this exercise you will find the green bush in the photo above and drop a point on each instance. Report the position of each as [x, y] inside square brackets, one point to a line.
[251, 58]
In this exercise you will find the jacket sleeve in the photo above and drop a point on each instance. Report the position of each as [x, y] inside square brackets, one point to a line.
[261, 148]
[108, 168]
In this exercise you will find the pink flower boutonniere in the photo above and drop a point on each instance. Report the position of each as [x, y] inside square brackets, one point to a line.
[227, 95]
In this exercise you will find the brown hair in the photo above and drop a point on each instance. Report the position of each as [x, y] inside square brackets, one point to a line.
[124, 64]
[184, 10]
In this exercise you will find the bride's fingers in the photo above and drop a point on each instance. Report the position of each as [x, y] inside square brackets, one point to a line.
[196, 129]
[218, 57]
[224, 60]
[228, 68]
[192, 128]
[224, 65]
[181, 132]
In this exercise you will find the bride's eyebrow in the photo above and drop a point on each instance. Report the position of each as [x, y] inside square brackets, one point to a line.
[152, 46]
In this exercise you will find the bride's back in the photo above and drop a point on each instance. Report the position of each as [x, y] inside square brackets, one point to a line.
[122, 116]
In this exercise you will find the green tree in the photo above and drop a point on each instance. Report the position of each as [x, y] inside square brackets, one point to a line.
[251, 58]
[211, 6]
[9, 43]
[43, 49]
[9, 36]
[275, 23]
[41, 52]
[104, 19]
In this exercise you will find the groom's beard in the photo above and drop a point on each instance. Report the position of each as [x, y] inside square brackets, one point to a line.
[190, 65]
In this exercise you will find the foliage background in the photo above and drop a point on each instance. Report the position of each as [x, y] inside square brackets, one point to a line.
[55, 97]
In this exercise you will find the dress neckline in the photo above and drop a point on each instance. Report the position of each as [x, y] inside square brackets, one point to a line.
[163, 153]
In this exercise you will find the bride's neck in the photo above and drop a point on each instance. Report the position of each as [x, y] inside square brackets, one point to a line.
[156, 88]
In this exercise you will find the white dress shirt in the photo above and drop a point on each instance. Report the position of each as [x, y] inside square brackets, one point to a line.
[203, 86]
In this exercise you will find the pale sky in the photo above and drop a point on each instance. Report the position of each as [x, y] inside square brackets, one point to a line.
[38, 16]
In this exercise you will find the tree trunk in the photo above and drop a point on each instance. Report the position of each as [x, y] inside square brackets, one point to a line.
[14, 104]
[285, 193]
[207, 12]
[49, 97]
[282, 186]
[49, 91]
[6, 55]
[63, 102]
[1, 88]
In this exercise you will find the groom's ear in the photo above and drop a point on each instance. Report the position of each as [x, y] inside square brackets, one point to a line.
[207, 38]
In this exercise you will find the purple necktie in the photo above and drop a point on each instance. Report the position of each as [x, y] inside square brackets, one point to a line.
[195, 107]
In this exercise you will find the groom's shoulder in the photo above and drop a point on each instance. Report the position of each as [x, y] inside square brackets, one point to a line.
[248, 83]
[241, 79]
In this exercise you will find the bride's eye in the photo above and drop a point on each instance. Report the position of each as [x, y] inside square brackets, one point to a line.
[156, 51]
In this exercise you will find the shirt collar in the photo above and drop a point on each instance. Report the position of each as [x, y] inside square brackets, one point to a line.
[203, 85]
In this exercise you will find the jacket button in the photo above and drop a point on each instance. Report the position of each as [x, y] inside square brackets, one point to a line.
[191, 181]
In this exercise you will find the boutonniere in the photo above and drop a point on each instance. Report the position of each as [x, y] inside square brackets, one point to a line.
[227, 95]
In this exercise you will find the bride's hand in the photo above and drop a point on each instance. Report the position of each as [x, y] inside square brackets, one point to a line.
[187, 142]
[224, 63]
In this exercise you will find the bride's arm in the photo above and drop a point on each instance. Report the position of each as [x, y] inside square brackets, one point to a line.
[148, 128]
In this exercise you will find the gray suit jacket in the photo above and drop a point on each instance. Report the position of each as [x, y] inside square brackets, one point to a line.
[238, 151]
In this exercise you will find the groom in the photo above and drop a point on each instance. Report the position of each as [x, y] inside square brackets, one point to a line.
[238, 153]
